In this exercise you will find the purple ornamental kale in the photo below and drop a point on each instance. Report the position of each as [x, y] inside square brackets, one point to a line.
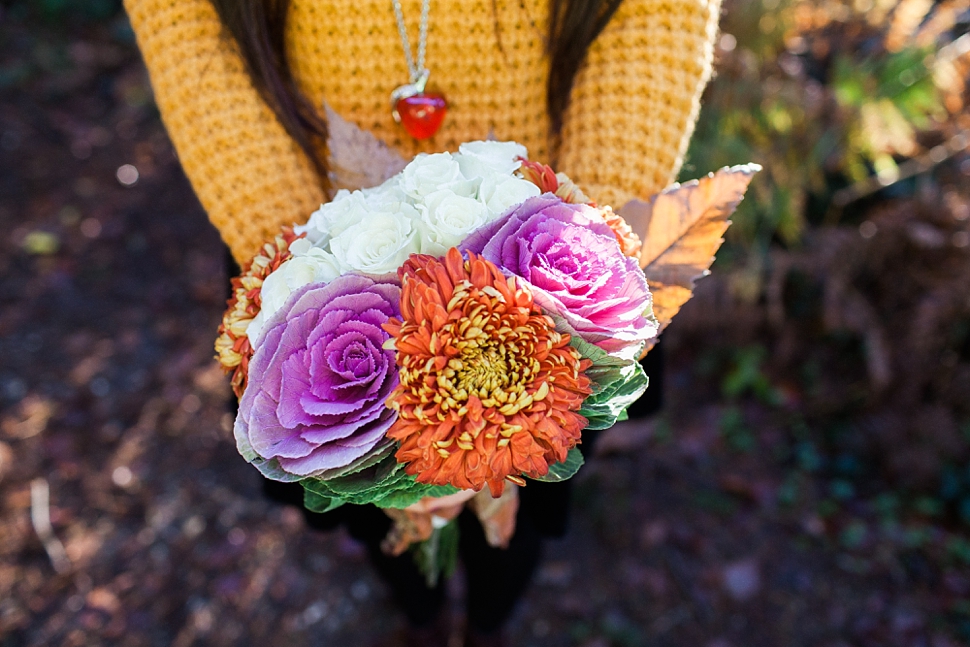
[319, 379]
[570, 258]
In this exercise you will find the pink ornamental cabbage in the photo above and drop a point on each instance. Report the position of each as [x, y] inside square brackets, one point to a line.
[570, 258]
[319, 379]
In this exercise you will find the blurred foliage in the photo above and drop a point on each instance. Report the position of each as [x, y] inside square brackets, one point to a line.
[52, 59]
[61, 10]
[823, 95]
[886, 100]
[746, 376]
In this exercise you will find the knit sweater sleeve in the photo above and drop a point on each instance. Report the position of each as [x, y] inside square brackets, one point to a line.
[249, 175]
[635, 101]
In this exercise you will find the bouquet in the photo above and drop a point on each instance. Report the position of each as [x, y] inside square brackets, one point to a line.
[443, 337]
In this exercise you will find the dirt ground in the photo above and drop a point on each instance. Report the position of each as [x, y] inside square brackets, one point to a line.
[112, 284]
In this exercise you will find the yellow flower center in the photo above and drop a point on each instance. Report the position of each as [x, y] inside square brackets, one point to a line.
[495, 368]
[483, 370]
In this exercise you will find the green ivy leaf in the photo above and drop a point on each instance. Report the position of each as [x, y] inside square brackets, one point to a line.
[565, 470]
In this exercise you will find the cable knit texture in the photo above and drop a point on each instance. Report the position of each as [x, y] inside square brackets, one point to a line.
[632, 111]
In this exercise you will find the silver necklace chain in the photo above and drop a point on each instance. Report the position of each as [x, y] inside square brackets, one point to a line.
[416, 71]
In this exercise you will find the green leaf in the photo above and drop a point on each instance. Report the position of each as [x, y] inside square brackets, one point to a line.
[366, 486]
[413, 493]
[387, 473]
[438, 554]
[605, 407]
[618, 381]
[565, 470]
[375, 456]
[385, 484]
[314, 501]
[605, 366]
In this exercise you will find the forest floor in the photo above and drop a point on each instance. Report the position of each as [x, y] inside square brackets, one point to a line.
[110, 294]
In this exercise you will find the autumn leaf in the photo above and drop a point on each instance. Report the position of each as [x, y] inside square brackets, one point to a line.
[497, 516]
[681, 228]
[357, 159]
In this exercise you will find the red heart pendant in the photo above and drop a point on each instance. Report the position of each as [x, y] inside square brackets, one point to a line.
[421, 114]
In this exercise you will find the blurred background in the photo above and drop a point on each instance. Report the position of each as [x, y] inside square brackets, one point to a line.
[808, 483]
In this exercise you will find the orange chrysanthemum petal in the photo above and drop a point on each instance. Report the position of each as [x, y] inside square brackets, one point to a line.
[489, 390]
[539, 174]
[630, 243]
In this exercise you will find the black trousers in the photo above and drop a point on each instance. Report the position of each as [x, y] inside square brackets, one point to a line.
[496, 577]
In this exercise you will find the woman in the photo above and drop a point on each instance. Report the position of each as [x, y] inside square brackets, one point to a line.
[606, 91]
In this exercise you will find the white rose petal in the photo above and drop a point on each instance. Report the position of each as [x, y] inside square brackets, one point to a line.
[317, 266]
[255, 329]
[482, 159]
[404, 210]
[499, 193]
[273, 292]
[433, 204]
[311, 234]
[324, 264]
[429, 173]
[389, 191]
[334, 217]
[300, 246]
[464, 188]
[378, 246]
[399, 206]
[446, 219]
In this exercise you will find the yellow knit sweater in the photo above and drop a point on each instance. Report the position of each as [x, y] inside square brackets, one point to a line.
[632, 108]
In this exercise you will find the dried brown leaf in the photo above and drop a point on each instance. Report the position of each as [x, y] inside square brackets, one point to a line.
[497, 516]
[681, 228]
[358, 159]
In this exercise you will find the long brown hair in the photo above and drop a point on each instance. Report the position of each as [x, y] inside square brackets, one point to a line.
[258, 26]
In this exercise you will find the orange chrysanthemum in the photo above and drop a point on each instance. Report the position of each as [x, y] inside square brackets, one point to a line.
[566, 190]
[630, 243]
[233, 349]
[489, 390]
[549, 181]
[539, 174]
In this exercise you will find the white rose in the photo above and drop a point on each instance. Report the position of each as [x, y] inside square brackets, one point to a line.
[332, 218]
[499, 193]
[317, 266]
[312, 234]
[255, 328]
[389, 191]
[426, 174]
[482, 159]
[403, 210]
[392, 201]
[446, 219]
[324, 264]
[378, 245]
